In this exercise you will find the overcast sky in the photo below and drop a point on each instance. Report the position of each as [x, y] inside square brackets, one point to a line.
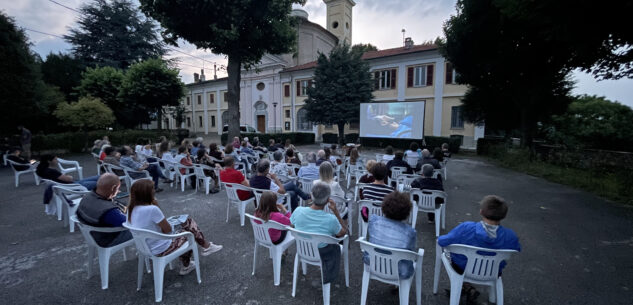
[374, 21]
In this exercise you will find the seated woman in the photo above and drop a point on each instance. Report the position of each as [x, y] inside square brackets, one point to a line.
[390, 231]
[291, 157]
[144, 213]
[268, 209]
[230, 151]
[353, 156]
[288, 145]
[326, 175]
[378, 189]
[203, 158]
[278, 167]
[367, 178]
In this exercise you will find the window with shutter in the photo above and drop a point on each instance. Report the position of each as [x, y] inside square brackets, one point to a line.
[393, 78]
[410, 77]
[188, 101]
[199, 99]
[226, 97]
[211, 101]
[419, 76]
[304, 87]
[429, 75]
[213, 121]
[287, 90]
[456, 117]
[298, 88]
[449, 73]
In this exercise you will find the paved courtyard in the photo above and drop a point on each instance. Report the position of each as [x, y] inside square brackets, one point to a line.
[577, 249]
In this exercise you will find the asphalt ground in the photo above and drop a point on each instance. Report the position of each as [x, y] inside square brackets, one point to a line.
[577, 249]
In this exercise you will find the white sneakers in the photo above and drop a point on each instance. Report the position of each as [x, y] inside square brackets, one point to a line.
[184, 270]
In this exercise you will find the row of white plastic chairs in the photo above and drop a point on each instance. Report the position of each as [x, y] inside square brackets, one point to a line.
[65, 167]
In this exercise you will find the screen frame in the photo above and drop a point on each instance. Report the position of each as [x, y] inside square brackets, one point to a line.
[360, 128]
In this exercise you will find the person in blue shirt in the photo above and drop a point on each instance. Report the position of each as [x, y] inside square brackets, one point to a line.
[154, 170]
[487, 233]
[312, 170]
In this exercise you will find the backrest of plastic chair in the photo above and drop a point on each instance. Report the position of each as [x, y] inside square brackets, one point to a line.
[295, 168]
[374, 206]
[383, 261]
[140, 238]
[113, 169]
[232, 188]
[436, 173]
[483, 264]
[85, 231]
[404, 181]
[308, 244]
[306, 185]
[341, 205]
[397, 171]
[426, 198]
[261, 227]
[379, 157]
[13, 164]
[198, 170]
[412, 160]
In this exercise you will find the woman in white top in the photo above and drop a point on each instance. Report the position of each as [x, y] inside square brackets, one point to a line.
[144, 213]
[326, 175]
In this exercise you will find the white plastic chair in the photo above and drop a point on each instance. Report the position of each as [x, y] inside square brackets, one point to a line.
[308, 253]
[357, 189]
[281, 198]
[180, 177]
[70, 196]
[383, 266]
[160, 262]
[395, 172]
[69, 166]
[344, 209]
[231, 193]
[404, 181]
[412, 160]
[354, 170]
[31, 169]
[118, 171]
[103, 253]
[306, 187]
[99, 163]
[201, 177]
[130, 172]
[426, 203]
[375, 208]
[57, 207]
[262, 238]
[437, 173]
[169, 169]
[294, 168]
[482, 268]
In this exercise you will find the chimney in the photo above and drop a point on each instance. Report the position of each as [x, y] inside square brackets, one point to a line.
[202, 78]
[408, 43]
[196, 77]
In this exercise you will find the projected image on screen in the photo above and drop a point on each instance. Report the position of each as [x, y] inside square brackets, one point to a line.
[404, 120]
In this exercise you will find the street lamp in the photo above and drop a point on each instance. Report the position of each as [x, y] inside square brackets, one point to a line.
[275, 116]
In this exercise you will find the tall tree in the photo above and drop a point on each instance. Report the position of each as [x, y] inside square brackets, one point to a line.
[515, 80]
[105, 83]
[364, 47]
[114, 33]
[86, 114]
[63, 71]
[244, 30]
[150, 86]
[338, 102]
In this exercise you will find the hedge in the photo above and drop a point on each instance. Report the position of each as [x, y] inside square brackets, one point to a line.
[333, 138]
[80, 141]
[431, 143]
[297, 138]
[485, 144]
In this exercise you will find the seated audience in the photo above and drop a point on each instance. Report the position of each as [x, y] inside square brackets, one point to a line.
[248, 144]
[103, 154]
[112, 156]
[204, 159]
[14, 155]
[278, 167]
[445, 151]
[144, 213]
[98, 209]
[330, 157]
[414, 151]
[291, 157]
[321, 157]
[426, 159]
[367, 178]
[49, 169]
[236, 143]
[326, 176]
[184, 158]
[427, 182]
[311, 171]
[314, 219]
[288, 145]
[438, 155]
[353, 156]
[391, 231]
[230, 151]
[154, 170]
[269, 209]
[164, 152]
[388, 156]
[398, 160]
[258, 145]
[487, 233]
[378, 189]
[334, 150]
[271, 145]
[231, 175]
[216, 153]
[267, 181]
[196, 146]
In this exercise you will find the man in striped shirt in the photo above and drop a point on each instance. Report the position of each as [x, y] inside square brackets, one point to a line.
[376, 190]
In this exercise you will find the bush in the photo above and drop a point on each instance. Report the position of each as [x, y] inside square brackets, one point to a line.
[330, 138]
[403, 144]
[80, 141]
[485, 145]
[297, 138]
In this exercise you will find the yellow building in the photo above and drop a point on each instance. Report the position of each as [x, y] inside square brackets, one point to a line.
[272, 95]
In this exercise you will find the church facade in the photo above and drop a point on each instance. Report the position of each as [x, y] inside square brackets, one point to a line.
[273, 94]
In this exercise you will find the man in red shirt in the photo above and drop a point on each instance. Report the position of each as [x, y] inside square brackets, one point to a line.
[231, 175]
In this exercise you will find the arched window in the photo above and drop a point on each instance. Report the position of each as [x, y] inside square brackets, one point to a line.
[260, 106]
[302, 120]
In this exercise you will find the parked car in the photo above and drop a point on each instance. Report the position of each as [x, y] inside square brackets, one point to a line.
[243, 128]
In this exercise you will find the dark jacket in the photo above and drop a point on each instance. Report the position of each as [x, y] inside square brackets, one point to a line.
[429, 184]
[91, 211]
[428, 160]
[399, 162]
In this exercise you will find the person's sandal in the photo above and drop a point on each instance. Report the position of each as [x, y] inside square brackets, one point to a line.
[471, 295]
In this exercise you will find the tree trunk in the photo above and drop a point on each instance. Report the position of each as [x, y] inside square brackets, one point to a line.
[341, 134]
[233, 83]
[526, 128]
[159, 117]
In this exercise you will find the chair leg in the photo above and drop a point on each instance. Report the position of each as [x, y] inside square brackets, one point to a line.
[492, 293]
[242, 212]
[139, 277]
[295, 275]
[104, 266]
[58, 202]
[228, 207]
[124, 254]
[277, 266]
[444, 216]
[304, 268]
[365, 286]
[182, 183]
[17, 180]
[326, 294]
[436, 275]
[346, 266]
[159, 276]
[254, 257]
[91, 256]
[456, 290]
[437, 221]
[403, 291]
[499, 288]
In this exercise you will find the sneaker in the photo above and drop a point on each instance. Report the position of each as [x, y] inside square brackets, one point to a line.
[214, 190]
[184, 270]
[211, 249]
[158, 190]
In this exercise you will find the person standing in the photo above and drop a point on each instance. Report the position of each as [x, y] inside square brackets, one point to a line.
[25, 141]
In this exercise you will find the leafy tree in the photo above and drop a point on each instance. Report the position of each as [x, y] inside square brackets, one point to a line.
[595, 122]
[515, 79]
[114, 33]
[86, 114]
[178, 113]
[363, 47]
[244, 30]
[63, 71]
[150, 86]
[19, 79]
[338, 102]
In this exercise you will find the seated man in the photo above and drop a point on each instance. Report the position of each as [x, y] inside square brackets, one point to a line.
[98, 209]
[112, 156]
[153, 169]
[487, 233]
[15, 156]
[267, 181]
[314, 219]
[278, 167]
[231, 175]
[391, 231]
[321, 157]
[388, 156]
[427, 159]
[398, 160]
[312, 170]
[426, 182]
[271, 145]
[445, 151]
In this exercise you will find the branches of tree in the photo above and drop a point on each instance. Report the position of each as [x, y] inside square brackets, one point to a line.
[338, 102]
[243, 30]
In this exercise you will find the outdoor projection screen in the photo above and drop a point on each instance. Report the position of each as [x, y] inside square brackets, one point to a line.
[401, 120]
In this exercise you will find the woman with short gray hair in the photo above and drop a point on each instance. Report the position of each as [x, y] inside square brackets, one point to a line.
[278, 167]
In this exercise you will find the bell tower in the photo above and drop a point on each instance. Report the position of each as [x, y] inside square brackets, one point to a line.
[339, 19]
